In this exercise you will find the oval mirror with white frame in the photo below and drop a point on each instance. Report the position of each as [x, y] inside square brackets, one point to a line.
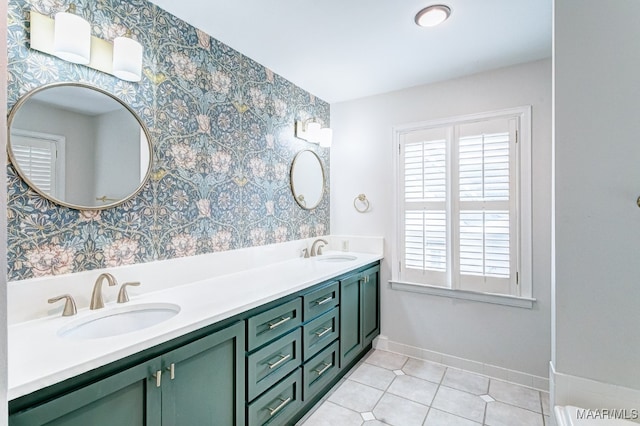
[307, 179]
[79, 146]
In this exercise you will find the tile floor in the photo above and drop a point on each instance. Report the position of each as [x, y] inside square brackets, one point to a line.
[391, 389]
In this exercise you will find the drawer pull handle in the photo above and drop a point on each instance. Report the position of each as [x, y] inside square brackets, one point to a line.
[172, 371]
[325, 300]
[282, 359]
[158, 376]
[323, 332]
[273, 411]
[279, 323]
[325, 368]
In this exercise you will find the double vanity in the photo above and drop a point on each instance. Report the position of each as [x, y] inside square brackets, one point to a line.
[230, 337]
[259, 346]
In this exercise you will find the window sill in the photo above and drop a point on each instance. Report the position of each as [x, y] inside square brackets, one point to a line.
[496, 299]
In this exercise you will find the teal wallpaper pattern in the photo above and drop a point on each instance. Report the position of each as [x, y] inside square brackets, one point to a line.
[223, 133]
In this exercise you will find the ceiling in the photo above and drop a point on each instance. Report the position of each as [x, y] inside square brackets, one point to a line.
[346, 49]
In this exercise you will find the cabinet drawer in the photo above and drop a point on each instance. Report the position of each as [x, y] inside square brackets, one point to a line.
[267, 326]
[320, 300]
[279, 404]
[319, 371]
[320, 332]
[271, 363]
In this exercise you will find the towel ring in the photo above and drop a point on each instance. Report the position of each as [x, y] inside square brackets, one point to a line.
[364, 203]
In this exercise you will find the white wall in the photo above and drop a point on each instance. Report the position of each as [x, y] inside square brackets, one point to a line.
[597, 181]
[117, 154]
[361, 162]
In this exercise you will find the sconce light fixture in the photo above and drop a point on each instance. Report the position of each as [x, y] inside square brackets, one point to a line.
[326, 136]
[72, 37]
[312, 131]
[127, 59]
[68, 37]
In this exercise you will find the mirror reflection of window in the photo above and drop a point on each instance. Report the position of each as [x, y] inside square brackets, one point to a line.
[41, 158]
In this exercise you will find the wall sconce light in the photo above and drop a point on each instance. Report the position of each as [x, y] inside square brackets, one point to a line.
[127, 59]
[122, 58]
[312, 131]
[72, 37]
[326, 136]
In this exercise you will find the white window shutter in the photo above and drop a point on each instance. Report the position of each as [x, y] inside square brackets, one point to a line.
[459, 219]
[37, 159]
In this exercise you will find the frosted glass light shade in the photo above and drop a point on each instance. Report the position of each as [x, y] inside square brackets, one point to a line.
[326, 136]
[72, 38]
[313, 132]
[433, 15]
[127, 59]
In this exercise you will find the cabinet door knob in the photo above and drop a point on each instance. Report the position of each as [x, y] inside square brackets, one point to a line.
[158, 376]
[172, 371]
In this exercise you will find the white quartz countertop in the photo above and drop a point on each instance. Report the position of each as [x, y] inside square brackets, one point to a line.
[39, 357]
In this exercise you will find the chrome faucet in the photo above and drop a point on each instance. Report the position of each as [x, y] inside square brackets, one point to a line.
[96, 297]
[318, 251]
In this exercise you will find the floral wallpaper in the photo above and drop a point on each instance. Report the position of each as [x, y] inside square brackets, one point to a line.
[222, 130]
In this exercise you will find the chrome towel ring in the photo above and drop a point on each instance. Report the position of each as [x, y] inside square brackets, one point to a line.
[361, 203]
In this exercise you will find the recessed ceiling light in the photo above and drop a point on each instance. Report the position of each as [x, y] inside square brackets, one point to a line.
[433, 15]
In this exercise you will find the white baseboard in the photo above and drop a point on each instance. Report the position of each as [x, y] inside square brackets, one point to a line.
[566, 389]
[492, 371]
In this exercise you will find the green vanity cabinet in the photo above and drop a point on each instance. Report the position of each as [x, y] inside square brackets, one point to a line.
[359, 312]
[320, 300]
[199, 383]
[203, 382]
[370, 304]
[279, 404]
[265, 366]
[319, 371]
[130, 397]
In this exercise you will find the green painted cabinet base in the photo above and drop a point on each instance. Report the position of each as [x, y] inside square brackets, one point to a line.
[129, 397]
[206, 387]
[278, 404]
[267, 366]
[319, 371]
[359, 312]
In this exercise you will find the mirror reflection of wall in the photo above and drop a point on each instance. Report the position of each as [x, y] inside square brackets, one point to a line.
[117, 156]
[307, 179]
[100, 153]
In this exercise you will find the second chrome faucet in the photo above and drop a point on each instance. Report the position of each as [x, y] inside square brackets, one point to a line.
[319, 243]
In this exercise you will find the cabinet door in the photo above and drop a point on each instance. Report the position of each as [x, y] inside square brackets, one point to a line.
[350, 326]
[130, 397]
[370, 304]
[207, 387]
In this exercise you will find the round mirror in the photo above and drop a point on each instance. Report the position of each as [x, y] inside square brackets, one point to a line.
[79, 146]
[307, 179]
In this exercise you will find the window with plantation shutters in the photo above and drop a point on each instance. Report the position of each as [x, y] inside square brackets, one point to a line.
[459, 198]
[37, 155]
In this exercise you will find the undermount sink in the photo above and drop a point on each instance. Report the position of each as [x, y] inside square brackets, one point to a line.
[336, 258]
[119, 320]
